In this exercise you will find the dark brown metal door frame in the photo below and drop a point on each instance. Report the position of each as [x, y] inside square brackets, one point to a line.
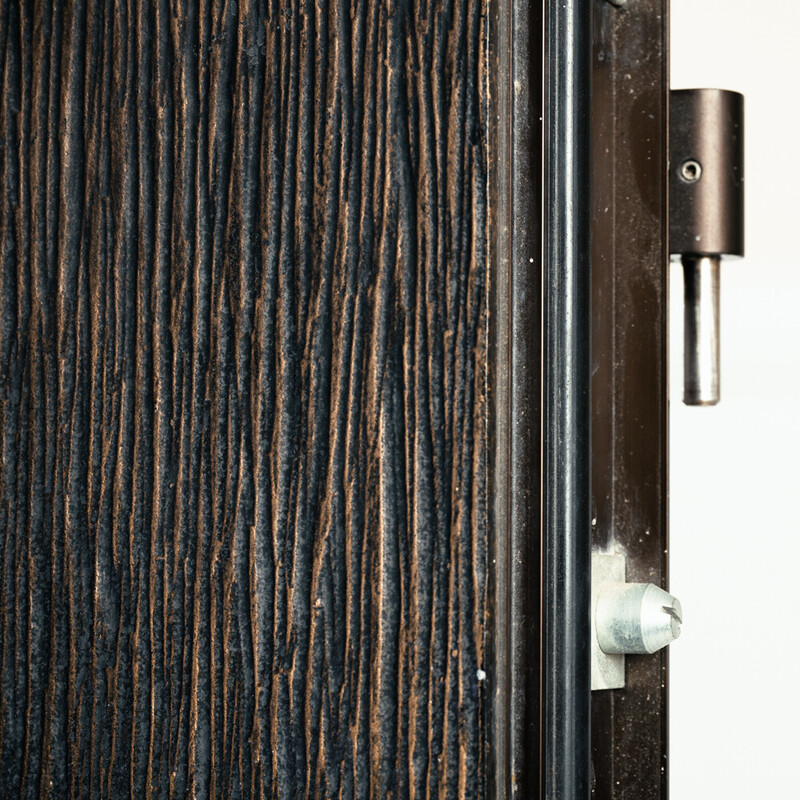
[629, 367]
[515, 140]
[541, 375]
[628, 168]
[241, 412]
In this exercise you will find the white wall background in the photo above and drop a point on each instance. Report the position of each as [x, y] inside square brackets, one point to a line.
[735, 469]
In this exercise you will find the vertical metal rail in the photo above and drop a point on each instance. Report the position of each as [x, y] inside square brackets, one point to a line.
[566, 473]
[629, 368]
[516, 41]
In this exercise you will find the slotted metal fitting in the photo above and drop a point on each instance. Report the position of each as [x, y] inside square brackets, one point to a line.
[636, 618]
[627, 619]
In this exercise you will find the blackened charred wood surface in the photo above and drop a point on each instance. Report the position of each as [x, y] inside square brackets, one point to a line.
[243, 420]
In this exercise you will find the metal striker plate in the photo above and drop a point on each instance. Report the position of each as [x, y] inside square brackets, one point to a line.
[608, 670]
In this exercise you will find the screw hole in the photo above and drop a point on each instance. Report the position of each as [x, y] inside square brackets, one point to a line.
[691, 171]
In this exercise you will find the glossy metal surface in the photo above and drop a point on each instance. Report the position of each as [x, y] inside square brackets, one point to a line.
[566, 454]
[706, 220]
[636, 618]
[701, 330]
[608, 670]
[515, 215]
[706, 132]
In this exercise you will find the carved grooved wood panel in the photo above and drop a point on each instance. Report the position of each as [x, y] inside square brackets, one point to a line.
[243, 399]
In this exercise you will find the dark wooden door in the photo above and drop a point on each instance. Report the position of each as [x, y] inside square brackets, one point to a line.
[294, 395]
[244, 399]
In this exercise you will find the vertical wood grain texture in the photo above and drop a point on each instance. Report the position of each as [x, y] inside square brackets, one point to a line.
[243, 427]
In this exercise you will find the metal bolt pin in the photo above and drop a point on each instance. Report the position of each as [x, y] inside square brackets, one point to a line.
[701, 330]
[706, 197]
[636, 618]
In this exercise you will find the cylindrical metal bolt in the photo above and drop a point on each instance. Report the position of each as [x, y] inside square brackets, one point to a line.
[706, 208]
[636, 618]
[701, 330]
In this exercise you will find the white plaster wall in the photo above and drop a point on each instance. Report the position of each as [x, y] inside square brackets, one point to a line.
[735, 469]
